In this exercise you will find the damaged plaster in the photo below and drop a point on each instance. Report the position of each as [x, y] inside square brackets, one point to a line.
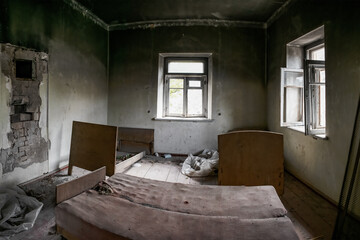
[21, 108]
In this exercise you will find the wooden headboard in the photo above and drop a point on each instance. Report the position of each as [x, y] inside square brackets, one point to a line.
[93, 146]
[251, 158]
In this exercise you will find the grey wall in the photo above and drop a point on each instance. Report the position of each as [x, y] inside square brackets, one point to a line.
[77, 81]
[239, 93]
[321, 163]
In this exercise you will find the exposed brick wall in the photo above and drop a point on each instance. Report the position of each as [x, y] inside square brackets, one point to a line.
[27, 146]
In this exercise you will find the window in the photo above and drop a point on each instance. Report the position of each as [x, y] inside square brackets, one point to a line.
[183, 87]
[303, 85]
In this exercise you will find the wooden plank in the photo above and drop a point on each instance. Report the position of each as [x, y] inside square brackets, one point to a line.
[251, 158]
[121, 167]
[183, 179]
[158, 172]
[135, 147]
[173, 174]
[136, 134]
[136, 140]
[139, 171]
[74, 187]
[93, 146]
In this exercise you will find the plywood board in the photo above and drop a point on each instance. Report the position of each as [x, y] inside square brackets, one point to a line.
[251, 158]
[93, 146]
[136, 140]
[121, 167]
[74, 187]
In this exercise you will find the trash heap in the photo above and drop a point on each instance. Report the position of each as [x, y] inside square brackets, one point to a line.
[202, 165]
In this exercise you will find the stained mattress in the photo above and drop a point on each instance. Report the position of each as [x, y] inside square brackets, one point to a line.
[149, 209]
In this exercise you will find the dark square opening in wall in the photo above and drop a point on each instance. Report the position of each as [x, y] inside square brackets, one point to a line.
[24, 69]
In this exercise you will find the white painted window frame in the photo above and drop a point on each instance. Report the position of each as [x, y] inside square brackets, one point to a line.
[163, 88]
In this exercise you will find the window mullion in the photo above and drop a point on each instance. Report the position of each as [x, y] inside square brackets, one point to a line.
[185, 96]
[307, 97]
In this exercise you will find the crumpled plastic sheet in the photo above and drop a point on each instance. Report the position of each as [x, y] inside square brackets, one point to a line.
[200, 166]
[18, 211]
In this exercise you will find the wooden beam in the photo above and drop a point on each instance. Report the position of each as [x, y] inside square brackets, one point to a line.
[74, 187]
[121, 167]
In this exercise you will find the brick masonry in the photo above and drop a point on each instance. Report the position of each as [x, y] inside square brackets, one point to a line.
[27, 144]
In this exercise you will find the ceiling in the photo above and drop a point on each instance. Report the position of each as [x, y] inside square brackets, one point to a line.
[113, 12]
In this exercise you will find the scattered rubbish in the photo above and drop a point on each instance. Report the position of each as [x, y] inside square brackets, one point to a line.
[200, 166]
[136, 165]
[156, 154]
[18, 211]
[124, 157]
[167, 155]
[104, 188]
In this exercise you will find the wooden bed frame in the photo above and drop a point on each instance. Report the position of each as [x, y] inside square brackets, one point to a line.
[251, 158]
[94, 146]
[148, 209]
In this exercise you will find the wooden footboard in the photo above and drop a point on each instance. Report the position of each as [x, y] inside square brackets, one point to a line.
[251, 158]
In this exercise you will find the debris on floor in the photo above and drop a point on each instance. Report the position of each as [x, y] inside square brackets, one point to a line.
[123, 157]
[104, 188]
[202, 165]
[167, 155]
[18, 211]
[136, 165]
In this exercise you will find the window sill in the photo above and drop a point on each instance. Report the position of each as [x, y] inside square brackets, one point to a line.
[301, 129]
[175, 119]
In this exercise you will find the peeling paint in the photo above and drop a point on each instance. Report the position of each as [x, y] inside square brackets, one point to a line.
[24, 145]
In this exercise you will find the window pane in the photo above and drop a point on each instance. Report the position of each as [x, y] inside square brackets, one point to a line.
[194, 83]
[318, 54]
[294, 79]
[176, 83]
[195, 102]
[176, 98]
[319, 75]
[293, 111]
[185, 67]
[318, 102]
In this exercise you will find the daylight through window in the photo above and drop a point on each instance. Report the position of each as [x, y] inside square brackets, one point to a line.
[303, 85]
[185, 88]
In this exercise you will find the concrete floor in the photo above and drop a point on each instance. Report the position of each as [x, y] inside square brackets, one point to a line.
[312, 216]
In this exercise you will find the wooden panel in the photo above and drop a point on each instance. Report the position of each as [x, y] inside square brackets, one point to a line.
[136, 140]
[136, 134]
[135, 147]
[93, 146]
[74, 187]
[121, 167]
[251, 158]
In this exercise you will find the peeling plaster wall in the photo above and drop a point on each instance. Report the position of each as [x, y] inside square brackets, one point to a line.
[77, 82]
[239, 92]
[321, 163]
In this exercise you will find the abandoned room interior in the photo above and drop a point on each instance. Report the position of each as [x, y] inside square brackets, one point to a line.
[214, 119]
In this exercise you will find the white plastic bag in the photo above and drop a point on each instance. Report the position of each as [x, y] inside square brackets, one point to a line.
[200, 166]
[18, 211]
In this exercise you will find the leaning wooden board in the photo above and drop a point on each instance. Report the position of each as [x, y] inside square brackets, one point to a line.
[93, 146]
[251, 158]
[150, 209]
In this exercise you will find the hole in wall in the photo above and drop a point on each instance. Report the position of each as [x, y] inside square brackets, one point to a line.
[24, 69]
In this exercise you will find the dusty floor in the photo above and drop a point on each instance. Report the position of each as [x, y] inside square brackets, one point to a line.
[313, 216]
